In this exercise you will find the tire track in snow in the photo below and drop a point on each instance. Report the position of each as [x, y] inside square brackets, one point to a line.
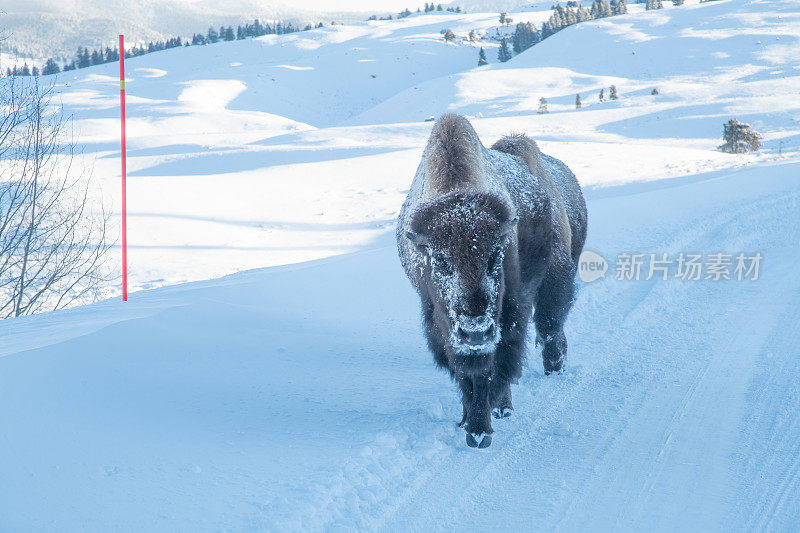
[769, 481]
[525, 435]
[733, 362]
[426, 478]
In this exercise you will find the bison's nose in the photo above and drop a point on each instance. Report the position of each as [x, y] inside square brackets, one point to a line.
[476, 331]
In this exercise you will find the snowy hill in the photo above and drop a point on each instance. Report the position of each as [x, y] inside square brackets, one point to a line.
[45, 28]
[302, 396]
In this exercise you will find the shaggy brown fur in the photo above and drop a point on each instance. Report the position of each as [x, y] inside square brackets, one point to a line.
[486, 236]
[450, 157]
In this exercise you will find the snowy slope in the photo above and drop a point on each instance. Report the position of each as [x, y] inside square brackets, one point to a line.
[46, 28]
[302, 397]
[315, 152]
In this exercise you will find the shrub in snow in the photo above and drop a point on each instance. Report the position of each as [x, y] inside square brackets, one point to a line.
[449, 36]
[577, 101]
[473, 36]
[654, 91]
[739, 138]
[602, 96]
[542, 105]
[612, 92]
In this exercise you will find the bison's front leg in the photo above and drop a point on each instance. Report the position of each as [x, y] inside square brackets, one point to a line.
[477, 420]
[465, 385]
[554, 300]
[501, 398]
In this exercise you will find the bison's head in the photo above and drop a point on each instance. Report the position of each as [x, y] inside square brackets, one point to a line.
[463, 239]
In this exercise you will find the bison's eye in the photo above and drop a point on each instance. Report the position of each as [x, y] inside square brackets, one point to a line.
[442, 264]
[495, 258]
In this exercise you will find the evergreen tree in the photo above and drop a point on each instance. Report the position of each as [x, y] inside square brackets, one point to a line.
[502, 18]
[602, 96]
[542, 105]
[578, 101]
[229, 34]
[600, 9]
[83, 59]
[546, 31]
[654, 4]
[449, 36]
[111, 55]
[612, 92]
[524, 37]
[739, 138]
[482, 58]
[583, 14]
[35, 71]
[473, 36]
[677, 2]
[504, 54]
[50, 67]
[212, 36]
[96, 58]
[622, 7]
[568, 15]
[654, 91]
[25, 70]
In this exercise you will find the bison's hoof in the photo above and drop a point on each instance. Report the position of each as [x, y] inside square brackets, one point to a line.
[505, 412]
[479, 441]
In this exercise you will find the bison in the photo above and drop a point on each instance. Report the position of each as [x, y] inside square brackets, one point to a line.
[489, 237]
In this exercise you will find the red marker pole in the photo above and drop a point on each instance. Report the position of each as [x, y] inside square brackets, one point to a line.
[124, 171]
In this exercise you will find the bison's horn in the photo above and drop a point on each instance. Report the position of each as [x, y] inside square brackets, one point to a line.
[417, 238]
[509, 226]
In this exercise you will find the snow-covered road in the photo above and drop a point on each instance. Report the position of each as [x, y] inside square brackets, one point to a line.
[303, 397]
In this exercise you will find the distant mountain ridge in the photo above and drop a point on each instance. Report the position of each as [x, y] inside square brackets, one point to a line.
[43, 28]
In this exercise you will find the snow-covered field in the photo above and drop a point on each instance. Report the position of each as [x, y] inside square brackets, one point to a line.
[55, 28]
[302, 396]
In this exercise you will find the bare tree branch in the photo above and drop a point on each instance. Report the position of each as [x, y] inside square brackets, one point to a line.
[52, 239]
